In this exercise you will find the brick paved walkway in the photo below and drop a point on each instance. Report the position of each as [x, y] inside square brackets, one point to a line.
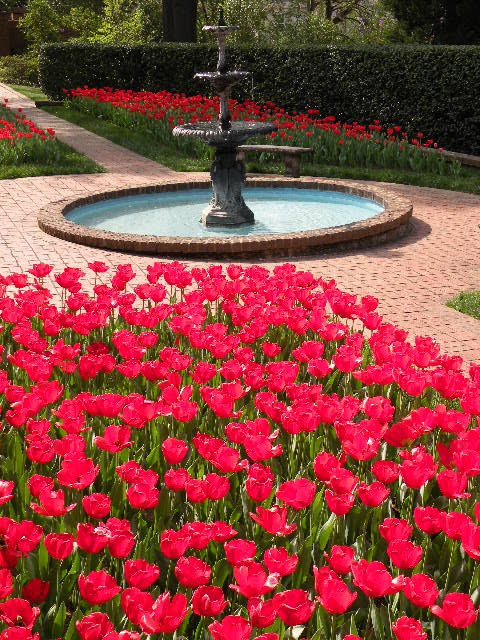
[412, 277]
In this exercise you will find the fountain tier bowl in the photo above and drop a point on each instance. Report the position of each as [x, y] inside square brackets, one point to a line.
[292, 217]
[213, 134]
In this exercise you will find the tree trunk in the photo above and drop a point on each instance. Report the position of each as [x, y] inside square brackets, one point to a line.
[328, 9]
[180, 20]
[451, 20]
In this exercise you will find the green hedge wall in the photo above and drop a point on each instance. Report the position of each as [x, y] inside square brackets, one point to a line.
[433, 89]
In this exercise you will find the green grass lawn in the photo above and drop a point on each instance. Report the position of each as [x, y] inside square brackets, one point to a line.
[69, 162]
[467, 302]
[34, 93]
[142, 143]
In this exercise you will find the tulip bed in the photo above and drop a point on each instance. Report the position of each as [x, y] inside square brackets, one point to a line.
[332, 142]
[232, 453]
[22, 141]
[26, 149]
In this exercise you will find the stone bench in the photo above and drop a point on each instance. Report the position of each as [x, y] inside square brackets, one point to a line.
[291, 155]
[463, 158]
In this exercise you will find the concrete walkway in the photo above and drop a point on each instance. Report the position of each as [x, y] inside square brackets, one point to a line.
[412, 277]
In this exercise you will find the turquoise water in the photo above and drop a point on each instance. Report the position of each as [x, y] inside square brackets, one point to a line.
[177, 213]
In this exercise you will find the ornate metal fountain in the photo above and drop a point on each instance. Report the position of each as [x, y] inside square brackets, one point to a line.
[227, 207]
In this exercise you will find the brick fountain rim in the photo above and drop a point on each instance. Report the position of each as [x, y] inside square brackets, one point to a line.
[390, 224]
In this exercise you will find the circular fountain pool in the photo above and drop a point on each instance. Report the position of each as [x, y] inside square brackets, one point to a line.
[177, 214]
[292, 217]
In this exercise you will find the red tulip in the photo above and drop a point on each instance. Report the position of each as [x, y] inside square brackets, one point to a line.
[120, 537]
[36, 484]
[216, 487]
[90, 539]
[94, 626]
[395, 529]
[293, 607]
[333, 593]
[273, 520]
[262, 613]
[456, 525]
[408, 629]
[167, 614]
[52, 503]
[421, 590]
[417, 468]
[18, 612]
[176, 479]
[35, 591]
[40, 270]
[135, 604]
[173, 544]
[386, 471]
[252, 580]
[372, 495]
[457, 610]
[59, 545]
[77, 474]
[140, 574]
[98, 587]
[208, 601]
[192, 572]
[174, 450]
[98, 267]
[114, 439]
[297, 494]
[6, 491]
[23, 537]
[277, 560]
[429, 519]
[339, 504]
[259, 483]
[404, 554]
[142, 495]
[373, 579]
[97, 505]
[342, 481]
[6, 583]
[239, 551]
[340, 558]
[230, 628]
[453, 484]
[324, 465]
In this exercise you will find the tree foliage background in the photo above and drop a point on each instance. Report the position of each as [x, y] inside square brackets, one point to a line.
[439, 21]
[260, 21]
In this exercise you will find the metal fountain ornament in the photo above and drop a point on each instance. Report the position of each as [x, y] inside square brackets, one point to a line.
[227, 207]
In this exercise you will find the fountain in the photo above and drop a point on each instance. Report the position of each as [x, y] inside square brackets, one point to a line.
[299, 216]
[227, 207]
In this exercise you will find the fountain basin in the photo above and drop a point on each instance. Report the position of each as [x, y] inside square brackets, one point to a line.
[293, 217]
[175, 213]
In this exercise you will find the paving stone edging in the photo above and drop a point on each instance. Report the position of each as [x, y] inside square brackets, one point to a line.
[391, 223]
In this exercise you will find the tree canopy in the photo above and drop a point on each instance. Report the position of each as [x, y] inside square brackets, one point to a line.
[439, 21]
[260, 21]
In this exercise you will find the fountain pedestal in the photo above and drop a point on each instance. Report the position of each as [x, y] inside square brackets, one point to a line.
[227, 207]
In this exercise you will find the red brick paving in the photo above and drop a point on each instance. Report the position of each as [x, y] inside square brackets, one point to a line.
[412, 277]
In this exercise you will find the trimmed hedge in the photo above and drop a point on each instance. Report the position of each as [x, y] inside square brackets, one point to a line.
[433, 89]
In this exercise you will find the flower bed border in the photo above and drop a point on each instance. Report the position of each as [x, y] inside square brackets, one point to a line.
[390, 224]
